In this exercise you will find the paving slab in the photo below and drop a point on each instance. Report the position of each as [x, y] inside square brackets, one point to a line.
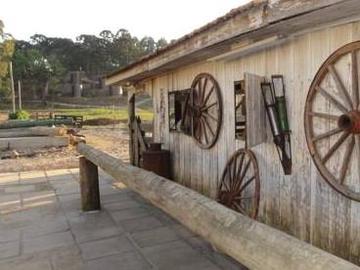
[93, 226]
[9, 179]
[154, 237]
[42, 227]
[121, 205]
[9, 249]
[9, 203]
[9, 235]
[126, 261]
[47, 242]
[31, 264]
[68, 258]
[177, 255]
[18, 189]
[131, 213]
[106, 247]
[141, 224]
[32, 177]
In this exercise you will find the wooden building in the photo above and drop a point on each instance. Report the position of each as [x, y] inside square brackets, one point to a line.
[209, 107]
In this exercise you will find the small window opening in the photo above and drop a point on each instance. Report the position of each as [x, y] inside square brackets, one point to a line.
[179, 118]
[240, 110]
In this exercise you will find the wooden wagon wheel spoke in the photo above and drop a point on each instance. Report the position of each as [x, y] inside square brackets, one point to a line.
[243, 174]
[239, 208]
[355, 80]
[210, 116]
[238, 166]
[208, 96]
[204, 100]
[204, 91]
[198, 86]
[208, 126]
[335, 147]
[234, 168]
[244, 198]
[332, 99]
[338, 174]
[246, 184]
[340, 86]
[224, 184]
[324, 116]
[347, 158]
[209, 106]
[327, 134]
[205, 131]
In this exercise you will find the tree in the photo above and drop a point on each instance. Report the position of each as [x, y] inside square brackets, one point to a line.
[36, 71]
[42, 62]
[161, 43]
[6, 52]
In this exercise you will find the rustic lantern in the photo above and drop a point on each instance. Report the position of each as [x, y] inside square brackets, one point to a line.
[271, 111]
[280, 101]
[274, 98]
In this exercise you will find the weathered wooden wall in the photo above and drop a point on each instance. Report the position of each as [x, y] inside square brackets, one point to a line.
[302, 204]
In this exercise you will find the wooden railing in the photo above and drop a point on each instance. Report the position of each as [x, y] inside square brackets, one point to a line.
[253, 244]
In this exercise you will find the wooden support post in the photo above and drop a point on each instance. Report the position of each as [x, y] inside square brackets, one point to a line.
[12, 87]
[89, 185]
[19, 94]
[131, 108]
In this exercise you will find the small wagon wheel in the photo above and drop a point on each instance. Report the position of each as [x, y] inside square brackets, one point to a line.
[239, 188]
[206, 108]
[332, 120]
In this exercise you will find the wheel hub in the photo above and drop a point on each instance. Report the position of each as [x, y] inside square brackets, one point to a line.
[227, 198]
[197, 112]
[350, 122]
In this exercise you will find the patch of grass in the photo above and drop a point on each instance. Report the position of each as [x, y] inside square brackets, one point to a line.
[120, 114]
[94, 113]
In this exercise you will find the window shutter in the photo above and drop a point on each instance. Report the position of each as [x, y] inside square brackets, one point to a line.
[255, 111]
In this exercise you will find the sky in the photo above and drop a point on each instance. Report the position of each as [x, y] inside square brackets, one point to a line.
[69, 18]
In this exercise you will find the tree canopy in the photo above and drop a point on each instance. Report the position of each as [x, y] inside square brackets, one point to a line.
[6, 52]
[43, 59]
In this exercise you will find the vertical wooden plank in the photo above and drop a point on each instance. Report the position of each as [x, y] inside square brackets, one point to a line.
[287, 197]
[319, 42]
[340, 215]
[301, 159]
[354, 252]
[270, 159]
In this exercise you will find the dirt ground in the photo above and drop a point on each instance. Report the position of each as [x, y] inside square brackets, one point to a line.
[112, 139]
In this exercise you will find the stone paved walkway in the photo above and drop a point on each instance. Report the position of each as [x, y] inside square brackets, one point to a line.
[42, 227]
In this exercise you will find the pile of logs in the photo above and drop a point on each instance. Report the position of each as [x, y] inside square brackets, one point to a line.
[29, 141]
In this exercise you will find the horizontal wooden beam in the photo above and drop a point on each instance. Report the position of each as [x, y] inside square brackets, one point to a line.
[252, 243]
[32, 143]
[32, 131]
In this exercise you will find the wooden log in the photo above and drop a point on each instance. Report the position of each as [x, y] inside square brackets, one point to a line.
[29, 143]
[89, 185]
[256, 245]
[34, 123]
[32, 131]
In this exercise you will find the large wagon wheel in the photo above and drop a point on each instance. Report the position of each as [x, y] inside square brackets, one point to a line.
[332, 120]
[206, 108]
[239, 188]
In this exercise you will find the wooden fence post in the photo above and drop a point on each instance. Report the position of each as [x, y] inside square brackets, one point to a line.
[89, 185]
[131, 108]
